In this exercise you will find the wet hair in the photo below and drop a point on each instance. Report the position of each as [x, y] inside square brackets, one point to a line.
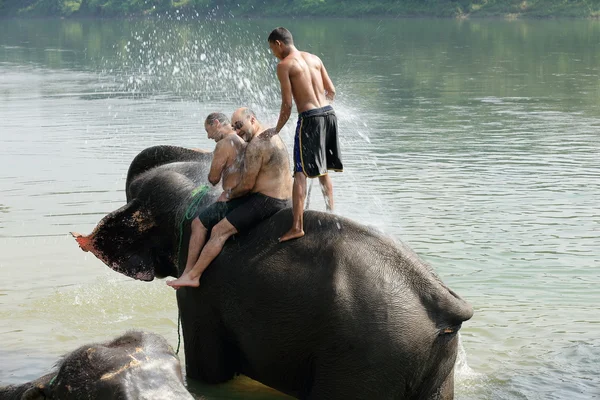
[281, 34]
[216, 116]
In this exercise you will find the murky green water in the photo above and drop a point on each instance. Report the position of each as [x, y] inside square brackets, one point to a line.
[475, 142]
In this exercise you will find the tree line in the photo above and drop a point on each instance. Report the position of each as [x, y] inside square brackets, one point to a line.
[329, 8]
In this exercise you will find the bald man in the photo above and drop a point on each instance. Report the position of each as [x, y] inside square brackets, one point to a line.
[264, 189]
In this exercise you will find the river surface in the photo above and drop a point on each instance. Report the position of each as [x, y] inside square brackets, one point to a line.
[477, 143]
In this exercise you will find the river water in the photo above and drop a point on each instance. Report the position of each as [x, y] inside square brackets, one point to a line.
[477, 143]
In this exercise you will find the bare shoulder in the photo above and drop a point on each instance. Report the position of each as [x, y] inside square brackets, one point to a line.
[237, 141]
[285, 64]
[306, 54]
[228, 145]
[222, 145]
[255, 150]
[272, 143]
[276, 154]
[311, 58]
[256, 144]
[266, 141]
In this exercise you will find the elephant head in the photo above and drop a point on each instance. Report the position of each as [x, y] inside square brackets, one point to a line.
[165, 190]
[136, 365]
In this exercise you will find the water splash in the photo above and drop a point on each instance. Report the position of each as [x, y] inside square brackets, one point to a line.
[214, 61]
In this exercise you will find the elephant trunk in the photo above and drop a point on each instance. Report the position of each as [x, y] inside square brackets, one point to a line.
[122, 240]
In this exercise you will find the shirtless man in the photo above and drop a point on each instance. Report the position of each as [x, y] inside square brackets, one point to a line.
[226, 168]
[304, 78]
[264, 189]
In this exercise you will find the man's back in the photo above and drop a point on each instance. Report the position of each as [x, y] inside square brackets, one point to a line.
[306, 77]
[274, 178]
[227, 161]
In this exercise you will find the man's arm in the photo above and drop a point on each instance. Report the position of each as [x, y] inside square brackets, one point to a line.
[219, 161]
[283, 73]
[327, 84]
[252, 166]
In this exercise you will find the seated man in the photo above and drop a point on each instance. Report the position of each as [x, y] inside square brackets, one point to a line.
[264, 189]
[225, 167]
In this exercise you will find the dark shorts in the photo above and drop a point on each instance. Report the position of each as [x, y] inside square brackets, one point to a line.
[242, 212]
[316, 144]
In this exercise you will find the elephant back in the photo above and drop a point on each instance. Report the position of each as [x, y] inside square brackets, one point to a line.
[369, 297]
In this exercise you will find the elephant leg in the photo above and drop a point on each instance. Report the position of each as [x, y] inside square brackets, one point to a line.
[446, 391]
[343, 380]
[441, 382]
[208, 356]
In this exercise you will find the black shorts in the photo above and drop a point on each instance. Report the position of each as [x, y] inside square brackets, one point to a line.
[243, 212]
[214, 213]
[316, 144]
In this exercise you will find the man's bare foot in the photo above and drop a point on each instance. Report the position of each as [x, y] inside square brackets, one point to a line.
[293, 233]
[184, 280]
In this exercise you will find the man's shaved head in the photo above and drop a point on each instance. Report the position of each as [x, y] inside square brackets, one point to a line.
[245, 123]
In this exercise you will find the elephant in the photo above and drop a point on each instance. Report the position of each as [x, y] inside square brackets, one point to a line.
[136, 365]
[344, 312]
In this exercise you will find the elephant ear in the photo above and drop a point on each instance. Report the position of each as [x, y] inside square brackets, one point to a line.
[123, 240]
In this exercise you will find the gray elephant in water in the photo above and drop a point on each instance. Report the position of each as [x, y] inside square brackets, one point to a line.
[134, 366]
[344, 312]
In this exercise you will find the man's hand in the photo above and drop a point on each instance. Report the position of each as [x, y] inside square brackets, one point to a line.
[268, 134]
[329, 96]
[223, 196]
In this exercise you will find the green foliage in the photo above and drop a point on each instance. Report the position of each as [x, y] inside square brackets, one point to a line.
[45, 7]
[342, 8]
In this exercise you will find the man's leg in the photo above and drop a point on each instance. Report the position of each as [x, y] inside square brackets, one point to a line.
[218, 236]
[197, 240]
[327, 190]
[298, 197]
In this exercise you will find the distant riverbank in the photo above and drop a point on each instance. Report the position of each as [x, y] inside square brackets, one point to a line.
[511, 9]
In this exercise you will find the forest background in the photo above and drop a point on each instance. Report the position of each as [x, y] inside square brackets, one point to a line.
[305, 8]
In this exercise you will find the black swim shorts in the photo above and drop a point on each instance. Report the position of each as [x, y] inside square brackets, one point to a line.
[214, 213]
[242, 212]
[316, 144]
[255, 209]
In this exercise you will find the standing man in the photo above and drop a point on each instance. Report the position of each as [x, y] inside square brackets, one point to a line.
[225, 168]
[264, 189]
[304, 79]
